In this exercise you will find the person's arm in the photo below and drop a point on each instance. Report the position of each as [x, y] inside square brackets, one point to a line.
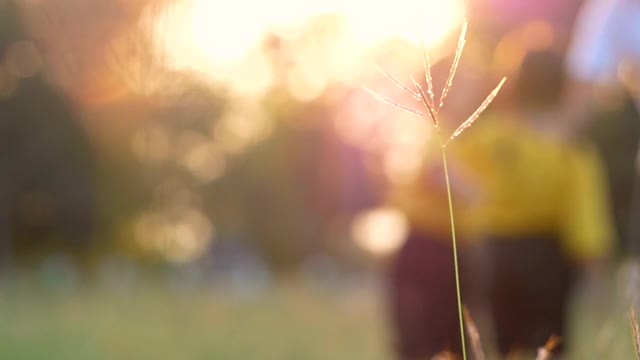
[589, 235]
[589, 231]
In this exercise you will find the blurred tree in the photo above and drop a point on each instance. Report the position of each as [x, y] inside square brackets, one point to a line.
[47, 184]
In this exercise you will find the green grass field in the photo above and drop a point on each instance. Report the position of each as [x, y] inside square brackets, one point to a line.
[291, 322]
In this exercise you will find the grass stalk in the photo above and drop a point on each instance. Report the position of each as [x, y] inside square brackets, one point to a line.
[454, 244]
[428, 102]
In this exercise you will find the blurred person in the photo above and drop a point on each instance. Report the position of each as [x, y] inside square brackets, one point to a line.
[542, 205]
[603, 100]
[605, 49]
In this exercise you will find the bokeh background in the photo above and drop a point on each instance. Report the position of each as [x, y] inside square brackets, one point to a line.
[201, 179]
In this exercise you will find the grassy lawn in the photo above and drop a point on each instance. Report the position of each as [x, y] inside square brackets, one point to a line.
[291, 322]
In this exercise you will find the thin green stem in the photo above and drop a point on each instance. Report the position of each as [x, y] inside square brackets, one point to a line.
[455, 246]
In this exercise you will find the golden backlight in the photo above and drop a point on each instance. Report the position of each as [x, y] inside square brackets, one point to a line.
[214, 35]
[380, 231]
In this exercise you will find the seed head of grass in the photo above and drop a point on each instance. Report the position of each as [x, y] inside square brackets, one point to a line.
[474, 335]
[635, 331]
[427, 99]
[545, 352]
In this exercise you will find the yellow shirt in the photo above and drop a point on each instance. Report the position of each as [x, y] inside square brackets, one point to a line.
[423, 197]
[513, 181]
[588, 230]
[533, 183]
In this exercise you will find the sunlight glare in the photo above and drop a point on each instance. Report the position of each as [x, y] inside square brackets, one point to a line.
[406, 19]
[179, 239]
[219, 37]
[380, 231]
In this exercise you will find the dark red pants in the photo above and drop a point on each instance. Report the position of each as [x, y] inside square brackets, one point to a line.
[523, 283]
[423, 298]
[529, 290]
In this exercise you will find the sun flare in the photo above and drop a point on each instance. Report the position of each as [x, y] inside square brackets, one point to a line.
[380, 231]
[210, 35]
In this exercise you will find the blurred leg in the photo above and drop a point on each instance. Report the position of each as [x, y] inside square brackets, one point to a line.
[529, 292]
[423, 299]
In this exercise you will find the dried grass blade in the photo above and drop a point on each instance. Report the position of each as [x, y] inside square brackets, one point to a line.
[635, 331]
[427, 73]
[476, 344]
[386, 73]
[454, 65]
[425, 101]
[478, 111]
[391, 102]
[418, 87]
[545, 352]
